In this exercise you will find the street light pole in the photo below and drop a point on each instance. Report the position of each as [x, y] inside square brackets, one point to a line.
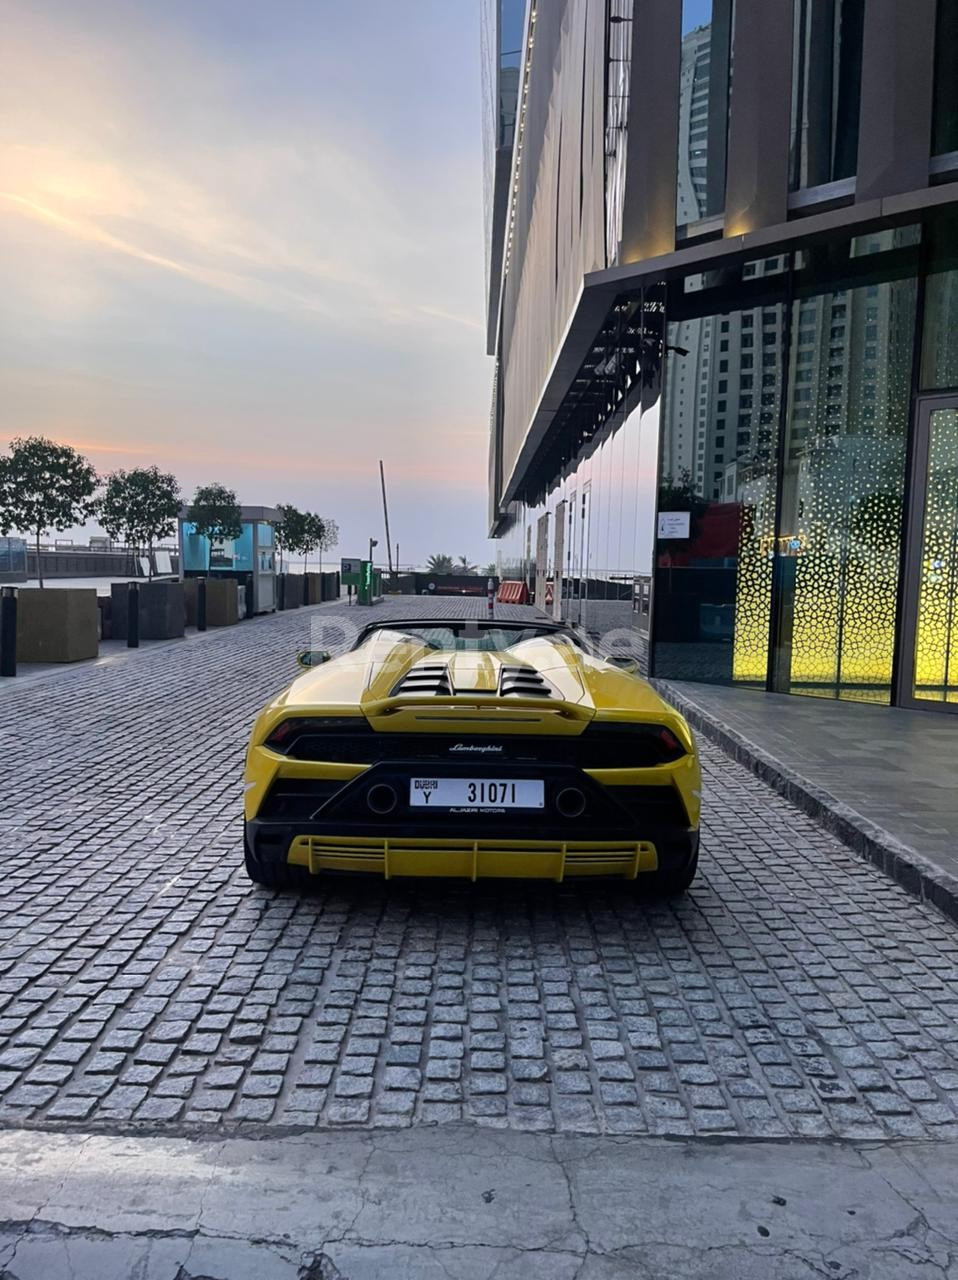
[389, 545]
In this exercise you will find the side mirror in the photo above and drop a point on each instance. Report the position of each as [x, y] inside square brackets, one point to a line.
[624, 663]
[312, 657]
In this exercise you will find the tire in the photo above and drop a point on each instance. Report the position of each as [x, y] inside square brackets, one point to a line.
[273, 874]
[670, 882]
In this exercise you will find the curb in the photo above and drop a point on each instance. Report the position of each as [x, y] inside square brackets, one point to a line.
[915, 873]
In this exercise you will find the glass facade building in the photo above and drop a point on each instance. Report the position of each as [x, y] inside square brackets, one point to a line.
[742, 462]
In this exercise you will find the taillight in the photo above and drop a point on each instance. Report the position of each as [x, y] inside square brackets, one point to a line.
[636, 745]
[280, 735]
[286, 734]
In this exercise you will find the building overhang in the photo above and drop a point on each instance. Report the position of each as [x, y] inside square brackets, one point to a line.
[601, 290]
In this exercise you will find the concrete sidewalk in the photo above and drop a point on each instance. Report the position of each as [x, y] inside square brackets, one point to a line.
[881, 778]
[431, 1203]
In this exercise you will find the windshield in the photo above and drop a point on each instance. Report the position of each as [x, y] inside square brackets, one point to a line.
[471, 638]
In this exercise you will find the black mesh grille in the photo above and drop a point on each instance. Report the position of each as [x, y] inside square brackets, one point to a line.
[298, 798]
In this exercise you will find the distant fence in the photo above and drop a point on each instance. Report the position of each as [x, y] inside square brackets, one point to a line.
[83, 562]
[436, 584]
[13, 560]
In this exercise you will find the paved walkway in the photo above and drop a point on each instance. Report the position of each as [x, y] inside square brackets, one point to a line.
[200, 1078]
[462, 1203]
[796, 992]
[897, 768]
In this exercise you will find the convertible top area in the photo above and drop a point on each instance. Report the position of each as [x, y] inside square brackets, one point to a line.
[489, 635]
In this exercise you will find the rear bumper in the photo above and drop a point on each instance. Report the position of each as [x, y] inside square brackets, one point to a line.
[373, 853]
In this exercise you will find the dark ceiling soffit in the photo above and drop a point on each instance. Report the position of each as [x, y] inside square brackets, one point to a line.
[588, 315]
[601, 288]
[501, 186]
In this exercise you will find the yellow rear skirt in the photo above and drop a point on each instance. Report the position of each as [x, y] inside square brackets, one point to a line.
[474, 859]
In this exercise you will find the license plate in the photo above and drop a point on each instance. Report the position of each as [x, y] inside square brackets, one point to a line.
[476, 793]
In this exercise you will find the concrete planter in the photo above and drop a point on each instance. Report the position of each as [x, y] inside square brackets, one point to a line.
[289, 591]
[222, 601]
[57, 624]
[162, 610]
[312, 588]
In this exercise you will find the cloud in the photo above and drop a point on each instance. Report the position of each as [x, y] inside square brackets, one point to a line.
[262, 255]
[294, 222]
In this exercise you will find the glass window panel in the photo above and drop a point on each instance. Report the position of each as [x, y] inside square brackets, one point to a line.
[841, 508]
[945, 119]
[826, 90]
[713, 585]
[703, 108]
[513, 24]
[939, 353]
[511, 29]
[936, 629]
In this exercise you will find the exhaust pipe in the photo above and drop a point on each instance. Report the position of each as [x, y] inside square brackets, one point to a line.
[381, 798]
[571, 802]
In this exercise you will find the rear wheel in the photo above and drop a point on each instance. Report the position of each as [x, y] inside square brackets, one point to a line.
[670, 881]
[672, 884]
[275, 872]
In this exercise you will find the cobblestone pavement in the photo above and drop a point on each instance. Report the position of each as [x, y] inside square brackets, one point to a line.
[795, 991]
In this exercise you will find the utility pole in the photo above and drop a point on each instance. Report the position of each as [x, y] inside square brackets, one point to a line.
[389, 550]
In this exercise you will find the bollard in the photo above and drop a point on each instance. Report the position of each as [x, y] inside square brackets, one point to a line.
[201, 605]
[8, 631]
[133, 615]
[250, 612]
[490, 598]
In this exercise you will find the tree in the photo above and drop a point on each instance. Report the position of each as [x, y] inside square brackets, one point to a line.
[44, 486]
[311, 535]
[490, 571]
[140, 506]
[328, 538]
[466, 566]
[215, 513]
[440, 564]
[289, 531]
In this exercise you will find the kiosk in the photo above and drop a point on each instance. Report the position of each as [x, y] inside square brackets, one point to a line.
[250, 558]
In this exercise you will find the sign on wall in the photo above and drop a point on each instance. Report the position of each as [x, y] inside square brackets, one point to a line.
[674, 524]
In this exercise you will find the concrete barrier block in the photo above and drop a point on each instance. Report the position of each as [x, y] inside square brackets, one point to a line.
[162, 610]
[57, 624]
[222, 602]
[291, 591]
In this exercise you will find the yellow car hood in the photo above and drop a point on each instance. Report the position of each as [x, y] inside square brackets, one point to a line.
[579, 686]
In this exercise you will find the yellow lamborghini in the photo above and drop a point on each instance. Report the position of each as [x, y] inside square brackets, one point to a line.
[471, 749]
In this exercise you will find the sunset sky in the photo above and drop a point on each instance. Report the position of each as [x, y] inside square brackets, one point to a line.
[243, 240]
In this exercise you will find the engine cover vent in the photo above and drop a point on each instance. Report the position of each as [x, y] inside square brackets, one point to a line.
[428, 677]
[524, 681]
